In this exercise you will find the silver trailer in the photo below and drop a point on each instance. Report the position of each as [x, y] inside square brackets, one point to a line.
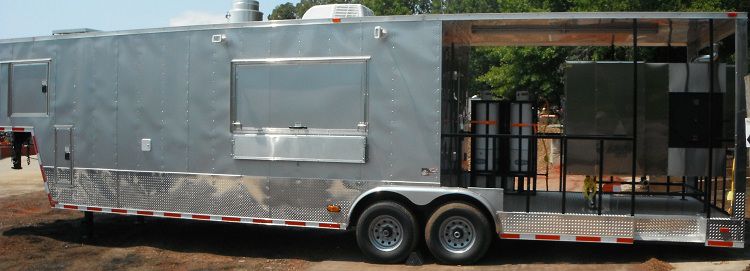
[358, 123]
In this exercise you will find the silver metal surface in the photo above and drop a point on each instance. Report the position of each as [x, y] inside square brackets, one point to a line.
[610, 111]
[670, 228]
[63, 155]
[306, 148]
[270, 93]
[26, 60]
[174, 89]
[457, 234]
[294, 199]
[734, 229]
[550, 202]
[678, 17]
[173, 86]
[694, 162]
[567, 224]
[245, 11]
[490, 198]
[484, 158]
[385, 233]
[73, 31]
[738, 206]
[521, 123]
[302, 60]
[598, 102]
[693, 78]
[740, 113]
[28, 89]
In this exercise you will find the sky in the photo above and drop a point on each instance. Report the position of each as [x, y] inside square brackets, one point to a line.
[31, 18]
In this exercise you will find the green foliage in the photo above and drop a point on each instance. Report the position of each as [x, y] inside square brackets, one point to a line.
[536, 69]
[284, 11]
[398, 7]
[465, 6]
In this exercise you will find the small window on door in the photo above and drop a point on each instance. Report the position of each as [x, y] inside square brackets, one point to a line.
[28, 89]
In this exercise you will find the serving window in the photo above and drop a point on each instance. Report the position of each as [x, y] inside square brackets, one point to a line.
[300, 109]
[301, 93]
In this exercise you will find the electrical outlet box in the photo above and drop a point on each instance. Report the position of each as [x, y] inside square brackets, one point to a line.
[146, 144]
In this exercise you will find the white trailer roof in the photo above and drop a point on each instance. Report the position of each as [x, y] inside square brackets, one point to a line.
[523, 29]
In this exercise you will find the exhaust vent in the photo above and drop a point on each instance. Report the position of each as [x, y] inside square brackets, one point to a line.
[245, 11]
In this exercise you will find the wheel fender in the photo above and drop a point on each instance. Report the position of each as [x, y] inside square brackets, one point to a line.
[491, 198]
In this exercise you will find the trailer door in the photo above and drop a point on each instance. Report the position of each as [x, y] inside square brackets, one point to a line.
[63, 161]
[28, 89]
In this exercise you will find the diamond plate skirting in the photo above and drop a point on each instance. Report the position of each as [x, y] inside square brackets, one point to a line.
[670, 228]
[739, 205]
[220, 195]
[643, 227]
[566, 224]
[736, 229]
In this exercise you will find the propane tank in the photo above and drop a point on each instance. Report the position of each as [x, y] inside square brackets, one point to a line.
[245, 11]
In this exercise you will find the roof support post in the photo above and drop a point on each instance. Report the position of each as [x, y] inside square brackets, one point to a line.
[635, 117]
[711, 63]
[740, 153]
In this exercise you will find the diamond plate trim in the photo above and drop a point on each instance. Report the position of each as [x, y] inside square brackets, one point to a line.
[566, 224]
[306, 199]
[670, 229]
[735, 227]
[205, 194]
[739, 205]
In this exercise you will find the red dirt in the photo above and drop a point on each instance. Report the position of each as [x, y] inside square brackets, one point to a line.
[35, 237]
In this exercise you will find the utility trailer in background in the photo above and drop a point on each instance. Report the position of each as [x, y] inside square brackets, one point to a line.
[358, 123]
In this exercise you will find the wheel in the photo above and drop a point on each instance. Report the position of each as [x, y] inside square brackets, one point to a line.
[458, 233]
[387, 232]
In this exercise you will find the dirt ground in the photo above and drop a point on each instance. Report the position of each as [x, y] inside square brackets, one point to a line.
[35, 237]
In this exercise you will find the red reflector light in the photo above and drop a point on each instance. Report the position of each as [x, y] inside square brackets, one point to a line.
[336, 20]
[231, 219]
[732, 14]
[510, 236]
[547, 237]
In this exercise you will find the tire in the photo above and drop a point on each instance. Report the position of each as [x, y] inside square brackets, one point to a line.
[387, 232]
[458, 233]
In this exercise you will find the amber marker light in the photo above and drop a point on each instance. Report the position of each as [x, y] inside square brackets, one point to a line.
[333, 208]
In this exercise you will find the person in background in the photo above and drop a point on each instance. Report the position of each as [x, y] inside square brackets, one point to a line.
[589, 190]
[19, 139]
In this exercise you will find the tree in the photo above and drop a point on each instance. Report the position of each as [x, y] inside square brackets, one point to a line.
[284, 11]
[398, 7]
[535, 69]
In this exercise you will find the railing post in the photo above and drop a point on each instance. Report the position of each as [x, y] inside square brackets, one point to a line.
[635, 117]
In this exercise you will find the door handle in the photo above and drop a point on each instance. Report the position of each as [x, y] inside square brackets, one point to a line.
[44, 86]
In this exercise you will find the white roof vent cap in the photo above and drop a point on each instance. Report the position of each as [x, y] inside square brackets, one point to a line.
[337, 11]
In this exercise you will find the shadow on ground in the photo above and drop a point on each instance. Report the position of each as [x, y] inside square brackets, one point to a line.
[239, 240]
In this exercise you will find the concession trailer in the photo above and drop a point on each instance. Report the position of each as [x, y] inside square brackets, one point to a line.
[351, 122]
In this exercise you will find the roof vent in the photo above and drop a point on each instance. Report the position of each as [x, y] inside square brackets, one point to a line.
[337, 11]
[245, 11]
[73, 31]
